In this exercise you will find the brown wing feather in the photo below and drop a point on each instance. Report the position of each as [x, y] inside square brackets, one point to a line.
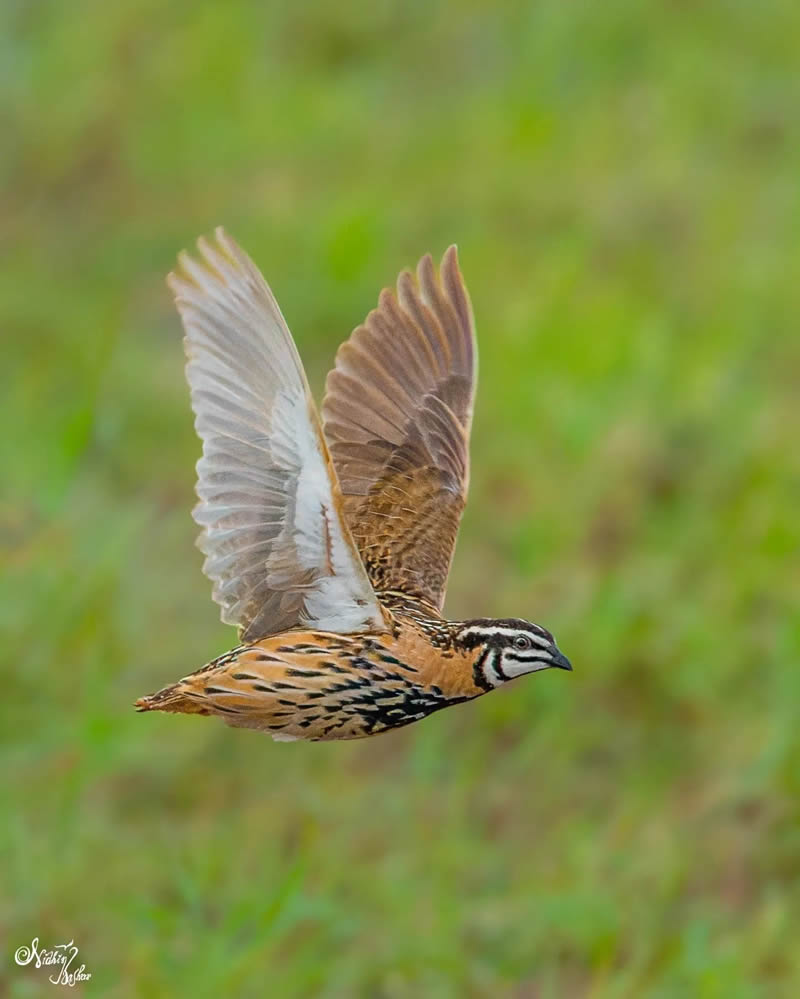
[397, 414]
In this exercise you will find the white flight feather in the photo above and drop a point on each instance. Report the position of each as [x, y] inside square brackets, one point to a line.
[277, 550]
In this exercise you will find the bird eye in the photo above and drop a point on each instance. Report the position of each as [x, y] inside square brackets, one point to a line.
[522, 642]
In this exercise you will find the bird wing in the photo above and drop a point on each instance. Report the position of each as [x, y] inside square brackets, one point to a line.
[396, 414]
[277, 546]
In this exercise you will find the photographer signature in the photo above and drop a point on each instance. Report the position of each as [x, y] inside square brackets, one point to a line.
[61, 957]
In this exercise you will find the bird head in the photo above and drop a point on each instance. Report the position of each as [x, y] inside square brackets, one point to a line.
[507, 648]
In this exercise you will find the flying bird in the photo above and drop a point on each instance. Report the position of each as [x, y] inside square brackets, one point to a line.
[329, 542]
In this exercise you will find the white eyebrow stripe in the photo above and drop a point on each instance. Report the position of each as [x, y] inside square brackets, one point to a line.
[477, 629]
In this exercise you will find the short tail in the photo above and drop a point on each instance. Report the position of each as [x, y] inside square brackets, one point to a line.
[172, 698]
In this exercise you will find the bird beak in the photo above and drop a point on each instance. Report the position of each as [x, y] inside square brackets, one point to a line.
[560, 660]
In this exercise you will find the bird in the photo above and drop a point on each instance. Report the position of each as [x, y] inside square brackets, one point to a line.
[329, 539]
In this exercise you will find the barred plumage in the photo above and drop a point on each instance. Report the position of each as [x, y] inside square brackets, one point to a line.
[331, 548]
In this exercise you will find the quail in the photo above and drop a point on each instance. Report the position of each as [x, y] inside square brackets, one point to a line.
[329, 541]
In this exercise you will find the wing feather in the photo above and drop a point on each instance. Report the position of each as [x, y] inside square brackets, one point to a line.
[397, 414]
[277, 547]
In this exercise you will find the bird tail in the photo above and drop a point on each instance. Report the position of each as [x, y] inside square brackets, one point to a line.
[173, 698]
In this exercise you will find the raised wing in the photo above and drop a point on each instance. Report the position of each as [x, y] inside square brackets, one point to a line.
[277, 547]
[397, 415]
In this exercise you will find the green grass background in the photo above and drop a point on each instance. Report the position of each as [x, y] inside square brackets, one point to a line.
[622, 181]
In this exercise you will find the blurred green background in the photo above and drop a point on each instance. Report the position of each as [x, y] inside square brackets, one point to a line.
[622, 181]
